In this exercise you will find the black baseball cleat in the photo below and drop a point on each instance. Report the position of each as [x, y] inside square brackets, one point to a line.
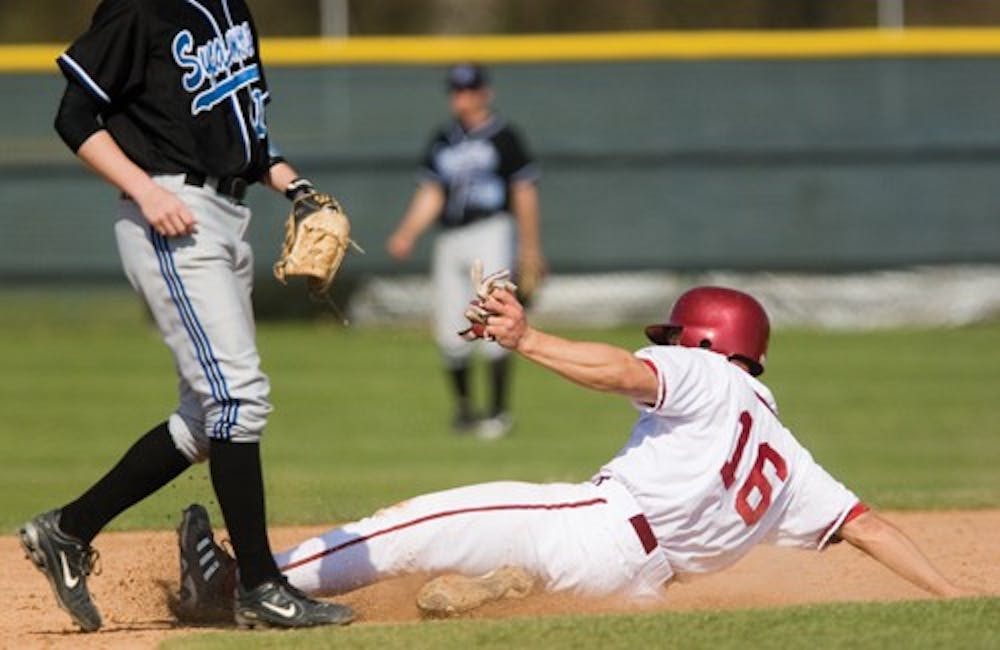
[208, 572]
[66, 562]
[279, 604]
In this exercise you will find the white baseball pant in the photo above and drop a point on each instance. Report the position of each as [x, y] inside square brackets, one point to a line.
[582, 538]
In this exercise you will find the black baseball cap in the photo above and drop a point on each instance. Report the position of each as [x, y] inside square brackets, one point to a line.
[467, 76]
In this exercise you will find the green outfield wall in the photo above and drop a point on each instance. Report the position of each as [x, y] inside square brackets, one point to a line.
[823, 160]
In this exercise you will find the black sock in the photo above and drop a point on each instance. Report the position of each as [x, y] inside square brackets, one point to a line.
[460, 384]
[152, 462]
[239, 485]
[499, 375]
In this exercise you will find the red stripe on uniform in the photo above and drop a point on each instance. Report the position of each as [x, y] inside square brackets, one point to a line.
[856, 511]
[649, 364]
[766, 404]
[661, 393]
[439, 515]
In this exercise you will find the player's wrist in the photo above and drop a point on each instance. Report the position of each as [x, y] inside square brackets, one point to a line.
[406, 237]
[298, 188]
[143, 191]
[526, 344]
[528, 245]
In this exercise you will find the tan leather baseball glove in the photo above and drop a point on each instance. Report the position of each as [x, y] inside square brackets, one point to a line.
[317, 236]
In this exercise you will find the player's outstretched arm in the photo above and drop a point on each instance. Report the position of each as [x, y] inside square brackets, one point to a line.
[597, 366]
[892, 547]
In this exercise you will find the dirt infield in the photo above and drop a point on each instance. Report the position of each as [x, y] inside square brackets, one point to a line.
[140, 568]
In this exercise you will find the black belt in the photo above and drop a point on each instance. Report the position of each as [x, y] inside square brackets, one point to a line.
[470, 219]
[234, 187]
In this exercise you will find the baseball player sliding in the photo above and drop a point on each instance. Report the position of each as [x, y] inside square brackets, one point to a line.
[708, 472]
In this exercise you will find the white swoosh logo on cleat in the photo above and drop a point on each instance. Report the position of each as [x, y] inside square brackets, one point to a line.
[285, 612]
[69, 579]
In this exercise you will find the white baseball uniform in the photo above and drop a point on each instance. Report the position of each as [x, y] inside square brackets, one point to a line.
[709, 471]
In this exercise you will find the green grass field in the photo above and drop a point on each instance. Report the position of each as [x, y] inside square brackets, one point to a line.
[909, 419]
[912, 625]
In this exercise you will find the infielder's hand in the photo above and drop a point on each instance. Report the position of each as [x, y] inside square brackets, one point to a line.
[399, 245]
[166, 213]
[507, 323]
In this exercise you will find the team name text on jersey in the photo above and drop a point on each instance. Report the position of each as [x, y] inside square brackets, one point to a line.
[212, 63]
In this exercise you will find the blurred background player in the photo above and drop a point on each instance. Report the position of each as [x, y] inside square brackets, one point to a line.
[478, 185]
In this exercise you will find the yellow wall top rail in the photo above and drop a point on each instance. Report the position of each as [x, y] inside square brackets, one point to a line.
[581, 47]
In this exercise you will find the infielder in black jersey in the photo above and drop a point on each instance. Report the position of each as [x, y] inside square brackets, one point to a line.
[166, 100]
[478, 184]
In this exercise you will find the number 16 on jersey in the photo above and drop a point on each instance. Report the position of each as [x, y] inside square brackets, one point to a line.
[756, 482]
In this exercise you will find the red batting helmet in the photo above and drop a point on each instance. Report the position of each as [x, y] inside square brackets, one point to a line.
[724, 320]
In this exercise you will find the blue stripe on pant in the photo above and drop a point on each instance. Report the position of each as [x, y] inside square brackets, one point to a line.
[222, 429]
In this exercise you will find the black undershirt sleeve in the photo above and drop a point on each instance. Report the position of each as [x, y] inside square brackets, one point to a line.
[79, 116]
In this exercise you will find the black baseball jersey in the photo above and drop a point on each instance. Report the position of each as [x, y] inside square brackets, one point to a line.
[476, 169]
[180, 84]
